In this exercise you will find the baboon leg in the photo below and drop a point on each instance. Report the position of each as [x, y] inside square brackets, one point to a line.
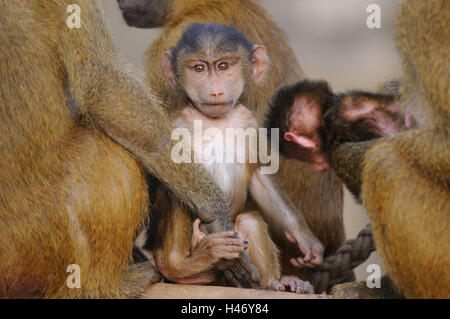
[175, 258]
[78, 216]
[117, 199]
[261, 249]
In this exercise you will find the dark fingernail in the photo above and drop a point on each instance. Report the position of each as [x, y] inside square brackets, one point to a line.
[245, 241]
[246, 247]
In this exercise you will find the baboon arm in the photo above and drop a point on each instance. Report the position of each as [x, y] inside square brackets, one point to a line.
[276, 208]
[347, 162]
[122, 107]
[347, 159]
[282, 218]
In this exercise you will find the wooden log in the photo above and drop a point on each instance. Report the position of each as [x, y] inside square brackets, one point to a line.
[176, 291]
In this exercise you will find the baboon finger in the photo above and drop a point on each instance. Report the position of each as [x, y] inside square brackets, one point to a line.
[293, 285]
[297, 285]
[277, 285]
[228, 234]
[229, 242]
[296, 263]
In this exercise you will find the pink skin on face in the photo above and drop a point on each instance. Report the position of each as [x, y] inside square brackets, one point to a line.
[214, 86]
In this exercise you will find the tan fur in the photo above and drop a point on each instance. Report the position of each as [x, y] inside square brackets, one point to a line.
[72, 125]
[261, 249]
[406, 178]
[174, 256]
[318, 196]
[408, 199]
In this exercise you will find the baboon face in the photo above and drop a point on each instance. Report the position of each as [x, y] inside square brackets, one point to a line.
[212, 63]
[214, 84]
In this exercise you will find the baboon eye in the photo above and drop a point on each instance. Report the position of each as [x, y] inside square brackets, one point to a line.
[199, 68]
[223, 66]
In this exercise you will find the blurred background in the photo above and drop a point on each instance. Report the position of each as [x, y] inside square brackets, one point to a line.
[331, 41]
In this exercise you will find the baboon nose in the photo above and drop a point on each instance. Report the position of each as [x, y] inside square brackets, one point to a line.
[217, 94]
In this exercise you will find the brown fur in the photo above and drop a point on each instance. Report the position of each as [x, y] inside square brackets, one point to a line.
[304, 187]
[73, 129]
[359, 290]
[406, 178]
[261, 249]
[174, 256]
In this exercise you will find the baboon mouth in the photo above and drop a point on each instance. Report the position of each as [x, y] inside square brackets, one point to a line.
[217, 104]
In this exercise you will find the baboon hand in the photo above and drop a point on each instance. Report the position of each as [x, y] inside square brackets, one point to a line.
[226, 251]
[215, 247]
[311, 248]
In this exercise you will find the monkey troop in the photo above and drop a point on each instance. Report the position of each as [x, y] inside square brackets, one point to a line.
[403, 177]
[211, 66]
[78, 134]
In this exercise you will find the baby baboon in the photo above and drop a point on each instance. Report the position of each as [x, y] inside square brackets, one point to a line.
[318, 196]
[212, 66]
[313, 121]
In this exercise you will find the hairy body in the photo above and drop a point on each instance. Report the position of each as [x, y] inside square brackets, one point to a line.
[187, 258]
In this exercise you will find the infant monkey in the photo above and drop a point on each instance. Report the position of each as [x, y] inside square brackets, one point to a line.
[313, 120]
[210, 67]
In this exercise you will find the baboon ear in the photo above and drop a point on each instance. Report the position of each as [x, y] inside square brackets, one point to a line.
[308, 151]
[145, 13]
[260, 63]
[301, 140]
[169, 72]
